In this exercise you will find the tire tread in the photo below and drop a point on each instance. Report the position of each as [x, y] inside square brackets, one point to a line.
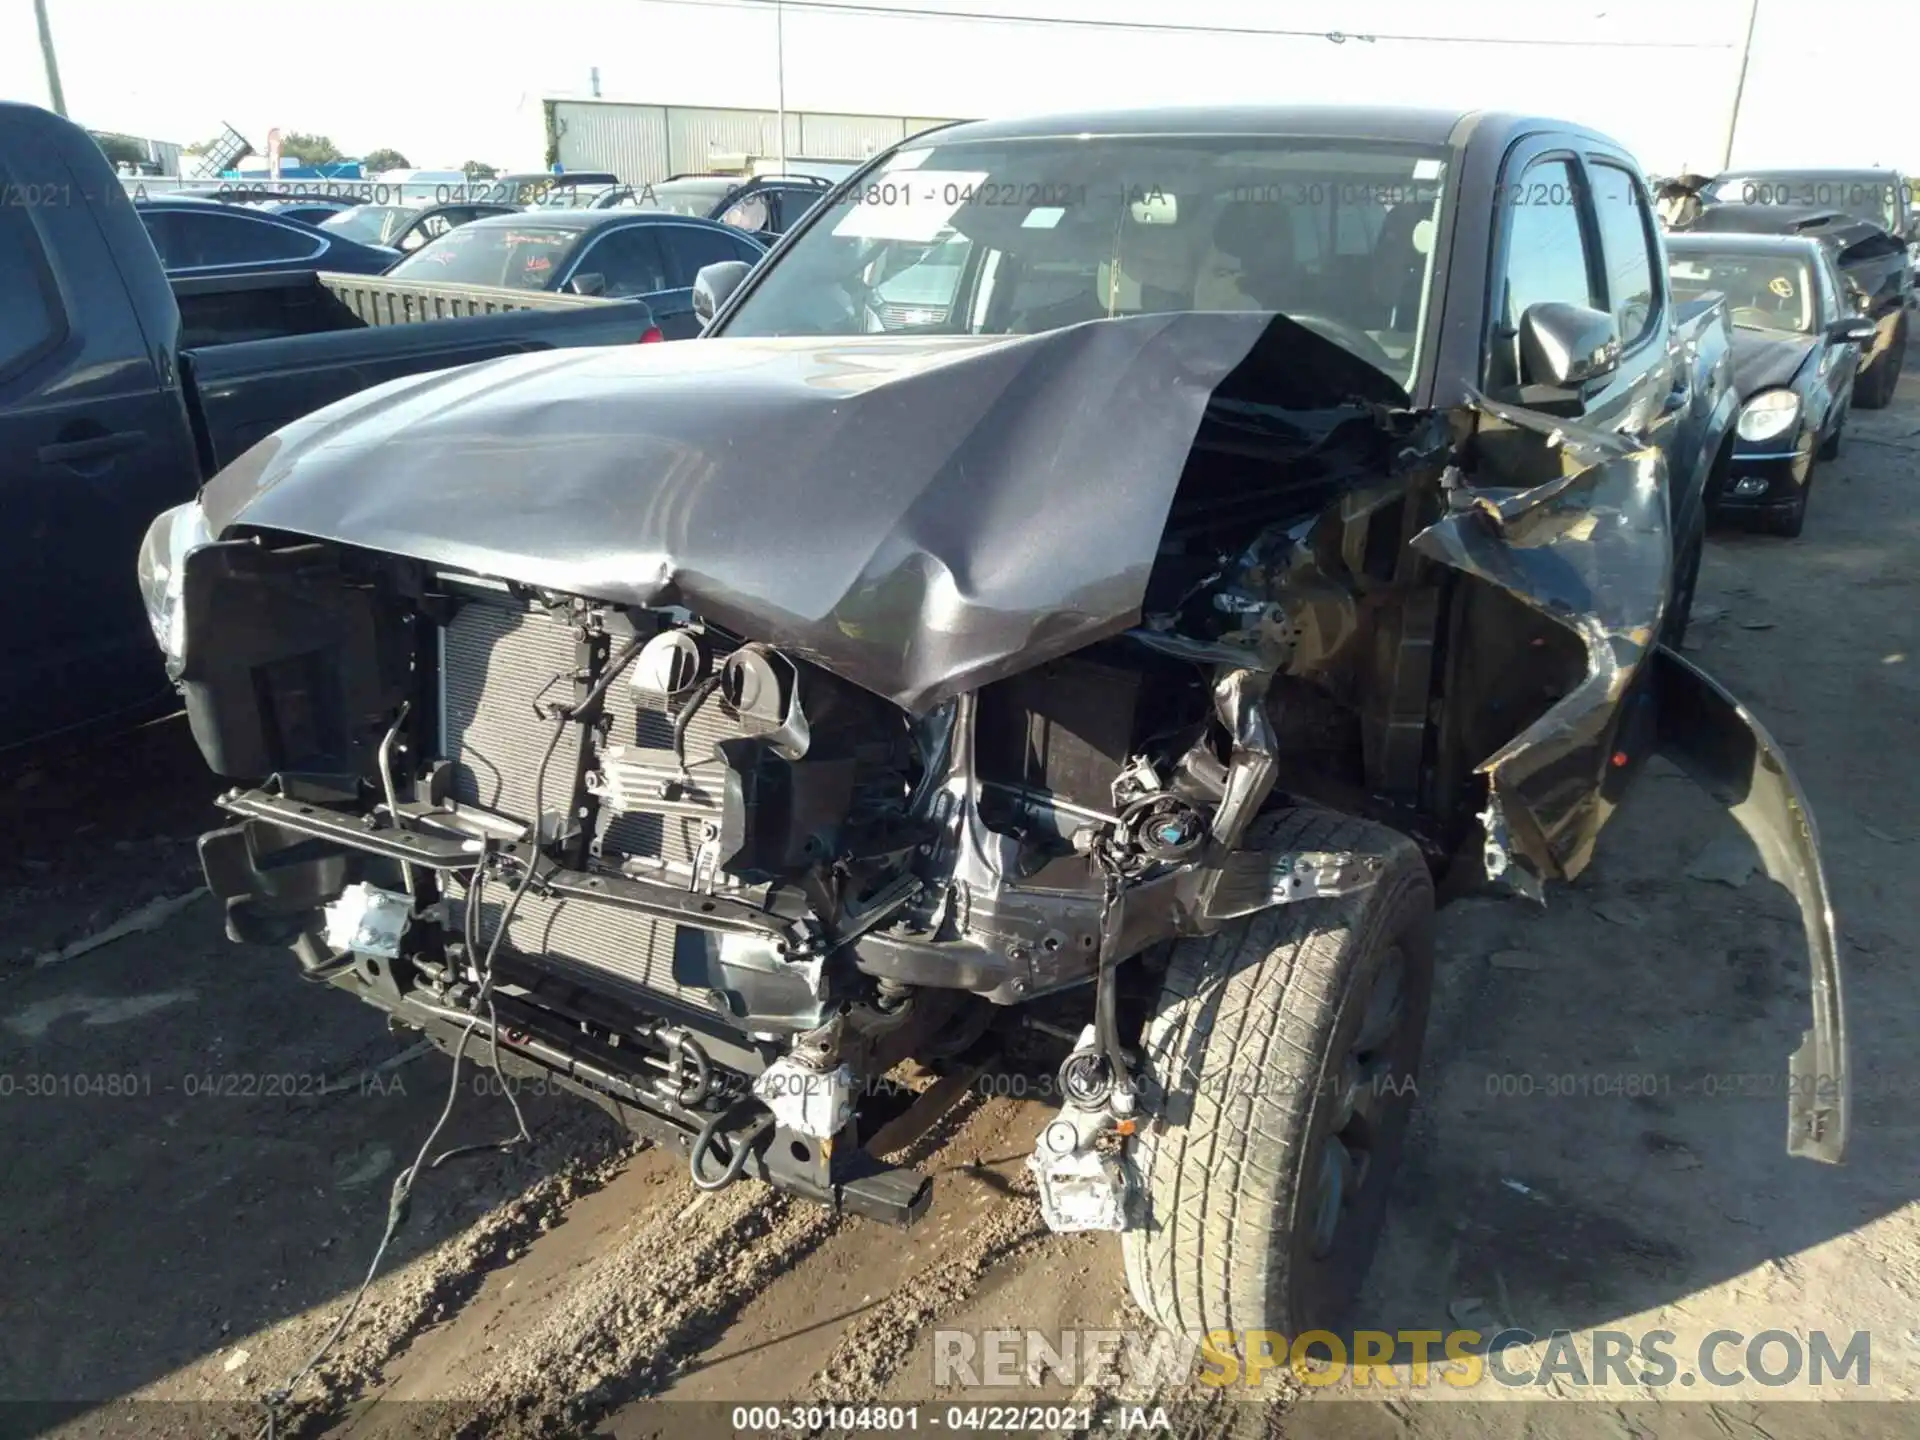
[1250, 1001]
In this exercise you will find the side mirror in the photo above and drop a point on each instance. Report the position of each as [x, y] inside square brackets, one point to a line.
[592, 283]
[1853, 330]
[1566, 346]
[714, 284]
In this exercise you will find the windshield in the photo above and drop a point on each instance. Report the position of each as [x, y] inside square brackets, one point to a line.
[683, 197]
[1015, 237]
[1764, 292]
[523, 257]
[1870, 197]
[369, 224]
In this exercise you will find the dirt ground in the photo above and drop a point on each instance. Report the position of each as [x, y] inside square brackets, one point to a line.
[200, 1146]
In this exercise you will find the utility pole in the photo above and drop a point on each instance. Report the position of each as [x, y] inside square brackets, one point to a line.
[780, 72]
[1740, 85]
[54, 92]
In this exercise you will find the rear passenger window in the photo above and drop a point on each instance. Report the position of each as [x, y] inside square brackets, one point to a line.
[629, 261]
[30, 320]
[794, 203]
[1626, 244]
[221, 239]
[692, 248]
[1546, 257]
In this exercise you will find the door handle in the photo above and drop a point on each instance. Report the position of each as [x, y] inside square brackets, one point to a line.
[95, 447]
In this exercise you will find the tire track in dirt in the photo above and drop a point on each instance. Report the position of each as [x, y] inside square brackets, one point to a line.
[630, 1316]
[642, 1307]
[438, 1285]
[870, 1353]
[581, 1154]
[1194, 1409]
[611, 1281]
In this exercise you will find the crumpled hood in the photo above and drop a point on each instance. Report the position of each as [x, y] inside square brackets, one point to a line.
[920, 516]
[1762, 361]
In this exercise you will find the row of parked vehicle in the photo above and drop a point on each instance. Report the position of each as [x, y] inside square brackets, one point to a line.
[1817, 267]
[619, 241]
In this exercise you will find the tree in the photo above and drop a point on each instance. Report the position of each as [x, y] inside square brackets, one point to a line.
[474, 170]
[308, 149]
[378, 162]
[120, 150]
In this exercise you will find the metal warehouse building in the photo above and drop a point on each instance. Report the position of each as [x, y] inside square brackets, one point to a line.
[642, 143]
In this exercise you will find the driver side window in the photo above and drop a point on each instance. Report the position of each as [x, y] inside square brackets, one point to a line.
[1546, 258]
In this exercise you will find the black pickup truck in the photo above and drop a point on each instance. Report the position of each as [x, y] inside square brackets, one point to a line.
[1095, 673]
[120, 392]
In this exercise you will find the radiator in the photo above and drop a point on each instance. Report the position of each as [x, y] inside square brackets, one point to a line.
[594, 936]
[493, 662]
[495, 659]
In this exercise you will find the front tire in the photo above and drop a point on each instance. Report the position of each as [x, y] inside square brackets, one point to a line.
[1278, 1076]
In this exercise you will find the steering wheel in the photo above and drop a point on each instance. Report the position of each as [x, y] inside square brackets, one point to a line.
[1348, 337]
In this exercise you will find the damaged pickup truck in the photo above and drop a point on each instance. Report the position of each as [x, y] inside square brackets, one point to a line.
[1282, 512]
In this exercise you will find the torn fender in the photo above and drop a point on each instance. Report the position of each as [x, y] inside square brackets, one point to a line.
[1721, 745]
[1583, 541]
[1588, 548]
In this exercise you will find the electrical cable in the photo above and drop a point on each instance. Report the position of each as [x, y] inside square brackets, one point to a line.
[1170, 27]
[397, 1201]
[403, 1183]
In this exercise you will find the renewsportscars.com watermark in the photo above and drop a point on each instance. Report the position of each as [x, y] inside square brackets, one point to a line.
[1460, 1359]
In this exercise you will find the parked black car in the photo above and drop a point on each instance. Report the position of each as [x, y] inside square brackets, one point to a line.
[766, 207]
[1797, 344]
[120, 390]
[406, 228]
[1097, 675]
[208, 237]
[1863, 215]
[621, 254]
[308, 209]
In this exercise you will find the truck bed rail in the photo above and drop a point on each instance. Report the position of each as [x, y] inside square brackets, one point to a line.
[379, 301]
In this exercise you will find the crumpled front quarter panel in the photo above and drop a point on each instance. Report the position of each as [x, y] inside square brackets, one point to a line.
[1587, 547]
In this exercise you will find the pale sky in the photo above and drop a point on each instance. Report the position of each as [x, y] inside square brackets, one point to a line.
[446, 82]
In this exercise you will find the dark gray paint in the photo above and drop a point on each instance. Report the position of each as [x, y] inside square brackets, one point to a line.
[921, 516]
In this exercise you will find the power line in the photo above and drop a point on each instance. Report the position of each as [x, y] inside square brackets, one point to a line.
[1160, 27]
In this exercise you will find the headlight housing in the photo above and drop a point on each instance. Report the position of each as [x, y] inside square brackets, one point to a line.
[161, 569]
[1769, 414]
